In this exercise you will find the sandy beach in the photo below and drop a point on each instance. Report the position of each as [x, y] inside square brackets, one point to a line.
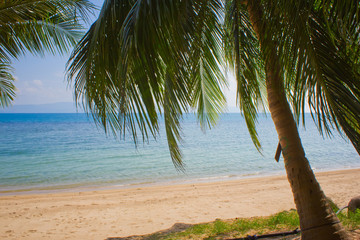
[136, 211]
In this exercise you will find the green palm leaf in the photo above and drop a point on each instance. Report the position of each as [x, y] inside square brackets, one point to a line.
[205, 59]
[109, 86]
[38, 26]
[40, 36]
[7, 88]
[244, 59]
[14, 11]
[334, 91]
[318, 61]
[156, 64]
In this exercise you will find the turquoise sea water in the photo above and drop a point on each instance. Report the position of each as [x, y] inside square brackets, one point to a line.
[67, 151]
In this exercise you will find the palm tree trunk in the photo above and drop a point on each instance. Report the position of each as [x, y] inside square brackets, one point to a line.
[317, 220]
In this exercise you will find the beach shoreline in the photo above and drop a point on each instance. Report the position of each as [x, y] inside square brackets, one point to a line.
[102, 213]
[90, 187]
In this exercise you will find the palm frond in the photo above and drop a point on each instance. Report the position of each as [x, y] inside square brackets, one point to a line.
[130, 66]
[94, 64]
[40, 37]
[244, 59]
[320, 70]
[16, 11]
[175, 101]
[336, 93]
[205, 59]
[343, 20]
[7, 88]
[39, 26]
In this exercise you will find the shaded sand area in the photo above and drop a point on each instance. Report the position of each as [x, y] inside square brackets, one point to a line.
[136, 211]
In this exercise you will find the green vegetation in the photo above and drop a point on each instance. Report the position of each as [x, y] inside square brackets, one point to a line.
[242, 227]
[283, 221]
[351, 221]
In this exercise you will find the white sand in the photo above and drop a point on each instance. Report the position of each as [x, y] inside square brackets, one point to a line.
[124, 212]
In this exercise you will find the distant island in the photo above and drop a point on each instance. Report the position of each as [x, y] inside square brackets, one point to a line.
[61, 107]
[64, 107]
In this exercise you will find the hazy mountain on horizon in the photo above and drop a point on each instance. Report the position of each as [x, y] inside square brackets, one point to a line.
[61, 107]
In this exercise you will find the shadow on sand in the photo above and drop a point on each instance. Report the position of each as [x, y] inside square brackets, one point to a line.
[177, 227]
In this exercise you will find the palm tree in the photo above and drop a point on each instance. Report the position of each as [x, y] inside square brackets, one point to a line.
[36, 26]
[144, 57]
[306, 62]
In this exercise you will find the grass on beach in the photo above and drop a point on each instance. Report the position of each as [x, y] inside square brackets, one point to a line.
[219, 229]
[280, 222]
[242, 227]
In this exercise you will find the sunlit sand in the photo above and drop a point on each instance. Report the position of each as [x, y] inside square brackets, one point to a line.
[123, 212]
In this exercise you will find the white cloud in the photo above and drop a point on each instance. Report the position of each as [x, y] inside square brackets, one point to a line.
[42, 92]
[37, 83]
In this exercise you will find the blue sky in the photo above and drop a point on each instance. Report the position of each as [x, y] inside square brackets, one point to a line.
[41, 80]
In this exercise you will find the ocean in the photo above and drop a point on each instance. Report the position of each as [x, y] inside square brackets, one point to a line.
[66, 152]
